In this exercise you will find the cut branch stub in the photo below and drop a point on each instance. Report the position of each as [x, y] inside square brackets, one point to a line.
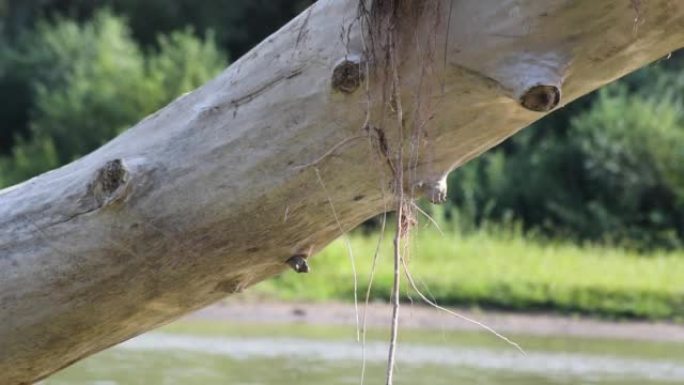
[541, 98]
[533, 79]
[347, 75]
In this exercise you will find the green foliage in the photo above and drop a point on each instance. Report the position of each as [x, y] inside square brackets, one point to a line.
[632, 149]
[238, 24]
[501, 269]
[95, 87]
[88, 82]
[177, 67]
[28, 159]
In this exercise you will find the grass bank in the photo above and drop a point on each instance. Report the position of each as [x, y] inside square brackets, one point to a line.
[501, 270]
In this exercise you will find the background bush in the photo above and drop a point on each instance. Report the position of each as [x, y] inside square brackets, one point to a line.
[83, 83]
[610, 170]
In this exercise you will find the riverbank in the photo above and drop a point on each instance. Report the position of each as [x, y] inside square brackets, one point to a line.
[498, 270]
[425, 318]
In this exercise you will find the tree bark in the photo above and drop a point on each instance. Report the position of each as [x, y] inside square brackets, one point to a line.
[284, 151]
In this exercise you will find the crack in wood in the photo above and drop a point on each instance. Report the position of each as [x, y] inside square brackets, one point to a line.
[251, 95]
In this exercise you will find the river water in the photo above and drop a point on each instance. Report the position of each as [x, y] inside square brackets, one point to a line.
[213, 353]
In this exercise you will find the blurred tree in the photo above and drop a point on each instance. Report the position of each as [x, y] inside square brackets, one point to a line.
[238, 24]
[632, 152]
[90, 81]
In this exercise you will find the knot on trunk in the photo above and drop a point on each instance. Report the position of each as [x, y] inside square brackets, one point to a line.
[347, 75]
[110, 183]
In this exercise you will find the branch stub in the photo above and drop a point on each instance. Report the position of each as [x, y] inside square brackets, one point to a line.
[298, 263]
[347, 75]
[541, 98]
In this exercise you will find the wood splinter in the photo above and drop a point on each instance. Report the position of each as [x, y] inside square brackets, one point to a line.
[298, 263]
[434, 191]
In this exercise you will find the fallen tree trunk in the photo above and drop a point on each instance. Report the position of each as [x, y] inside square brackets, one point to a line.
[284, 151]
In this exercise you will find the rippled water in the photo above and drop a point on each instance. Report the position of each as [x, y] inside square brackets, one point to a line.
[219, 353]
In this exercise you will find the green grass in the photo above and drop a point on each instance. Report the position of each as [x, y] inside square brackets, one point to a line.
[501, 270]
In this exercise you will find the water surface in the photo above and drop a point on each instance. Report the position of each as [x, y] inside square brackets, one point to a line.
[213, 352]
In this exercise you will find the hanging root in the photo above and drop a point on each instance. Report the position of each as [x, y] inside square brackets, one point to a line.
[394, 26]
[403, 210]
[349, 250]
[636, 6]
[457, 315]
[367, 299]
[429, 218]
[395, 299]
